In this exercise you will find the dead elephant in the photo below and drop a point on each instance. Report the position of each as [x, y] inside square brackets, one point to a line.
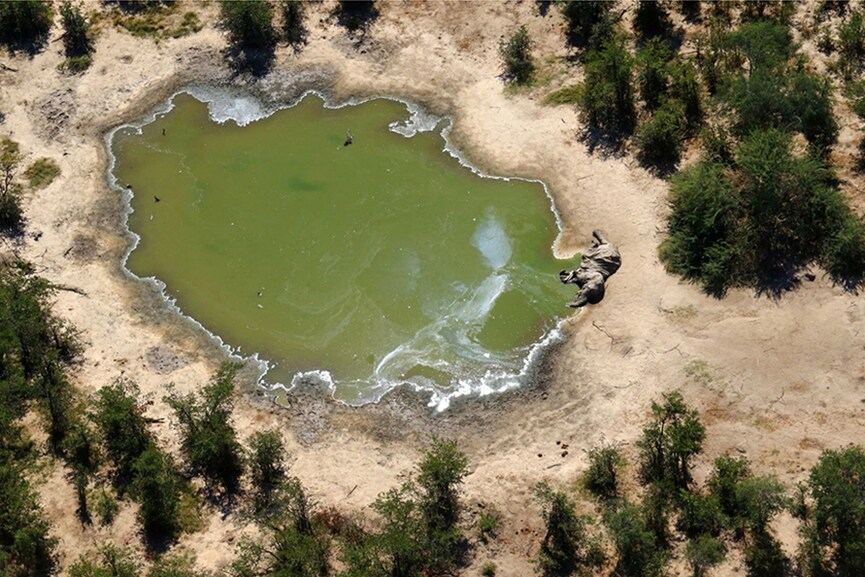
[600, 262]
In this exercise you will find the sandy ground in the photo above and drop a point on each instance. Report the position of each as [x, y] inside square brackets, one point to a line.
[776, 380]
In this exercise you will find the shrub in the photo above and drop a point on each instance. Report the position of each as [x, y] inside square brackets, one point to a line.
[157, 490]
[699, 515]
[566, 95]
[652, 72]
[266, 467]
[851, 42]
[669, 443]
[249, 24]
[723, 482]
[602, 476]
[489, 569]
[639, 555]
[25, 23]
[516, 54]
[685, 88]
[489, 524]
[608, 100]
[110, 561]
[76, 64]
[836, 486]
[660, 138]
[42, 172]
[117, 416]
[588, 21]
[11, 216]
[440, 473]
[563, 549]
[76, 29]
[105, 507]
[764, 556]
[843, 253]
[208, 438]
[703, 553]
[765, 45]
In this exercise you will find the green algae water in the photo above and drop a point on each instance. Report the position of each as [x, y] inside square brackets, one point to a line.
[369, 265]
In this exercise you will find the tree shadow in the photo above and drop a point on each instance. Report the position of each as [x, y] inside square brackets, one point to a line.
[543, 6]
[257, 62]
[691, 11]
[604, 142]
[139, 6]
[30, 47]
[356, 15]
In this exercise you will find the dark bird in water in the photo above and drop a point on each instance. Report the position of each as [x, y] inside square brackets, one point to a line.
[156, 198]
[348, 139]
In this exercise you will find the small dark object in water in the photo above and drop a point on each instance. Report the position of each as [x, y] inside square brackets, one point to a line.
[156, 198]
[163, 132]
[348, 139]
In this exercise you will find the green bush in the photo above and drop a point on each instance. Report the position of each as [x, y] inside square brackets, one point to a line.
[699, 515]
[638, 553]
[669, 443]
[660, 138]
[608, 99]
[42, 172]
[105, 506]
[25, 23]
[76, 30]
[110, 562]
[588, 21]
[516, 54]
[564, 547]
[685, 88]
[703, 553]
[836, 487]
[249, 24]
[208, 438]
[489, 524]
[566, 95]
[489, 569]
[267, 469]
[157, 490]
[652, 72]
[764, 556]
[851, 42]
[602, 477]
[124, 431]
[76, 64]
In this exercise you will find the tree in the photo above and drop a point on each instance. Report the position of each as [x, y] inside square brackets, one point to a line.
[516, 54]
[110, 562]
[293, 29]
[651, 19]
[25, 24]
[440, 473]
[836, 485]
[703, 553]
[724, 481]
[157, 490]
[660, 138]
[639, 555]
[699, 515]
[670, 442]
[175, 565]
[652, 72]
[249, 24]
[26, 549]
[608, 100]
[11, 216]
[76, 30]
[293, 545]
[563, 549]
[208, 439]
[117, 416]
[266, 468]
[602, 476]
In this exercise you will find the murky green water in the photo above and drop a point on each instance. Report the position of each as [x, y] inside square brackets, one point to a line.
[380, 262]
